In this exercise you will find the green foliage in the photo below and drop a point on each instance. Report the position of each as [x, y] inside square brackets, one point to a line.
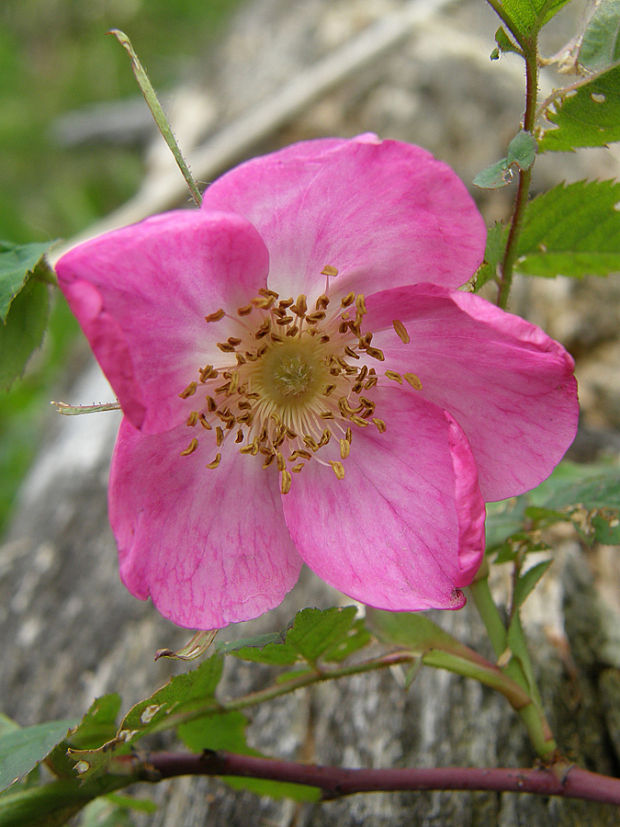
[330, 634]
[416, 633]
[588, 496]
[522, 150]
[504, 44]
[589, 116]
[521, 154]
[17, 265]
[22, 331]
[22, 749]
[600, 44]
[151, 715]
[496, 244]
[573, 230]
[526, 17]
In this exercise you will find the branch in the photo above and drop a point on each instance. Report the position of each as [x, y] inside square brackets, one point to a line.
[565, 780]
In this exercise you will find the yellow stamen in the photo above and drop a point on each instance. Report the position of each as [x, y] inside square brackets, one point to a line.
[215, 317]
[190, 390]
[401, 330]
[413, 380]
[338, 469]
[396, 377]
[215, 462]
[190, 448]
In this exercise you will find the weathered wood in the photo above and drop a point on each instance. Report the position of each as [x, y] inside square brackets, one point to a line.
[71, 632]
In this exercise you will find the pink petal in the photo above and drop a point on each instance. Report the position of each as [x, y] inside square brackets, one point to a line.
[209, 546]
[382, 212]
[509, 386]
[405, 527]
[141, 295]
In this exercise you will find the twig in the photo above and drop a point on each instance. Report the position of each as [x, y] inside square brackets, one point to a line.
[565, 781]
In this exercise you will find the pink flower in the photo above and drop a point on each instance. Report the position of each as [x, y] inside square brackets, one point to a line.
[301, 382]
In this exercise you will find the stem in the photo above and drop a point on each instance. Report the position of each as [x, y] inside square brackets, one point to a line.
[530, 53]
[518, 669]
[335, 782]
[277, 690]
[484, 603]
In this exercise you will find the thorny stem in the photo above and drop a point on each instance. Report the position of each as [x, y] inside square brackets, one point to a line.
[335, 782]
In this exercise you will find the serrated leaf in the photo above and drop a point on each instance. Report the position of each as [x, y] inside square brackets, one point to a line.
[153, 714]
[315, 632]
[226, 731]
[22, 749]
[17, 263]
[590, 116]
[572, 230]
[495, 176]
[23, 331]
[522, 150]
[527, 582]
[600, 44]
[528, 16]
[413, 631]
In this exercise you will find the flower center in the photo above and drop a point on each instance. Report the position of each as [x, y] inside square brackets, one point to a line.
[292, 372]
[292, 383]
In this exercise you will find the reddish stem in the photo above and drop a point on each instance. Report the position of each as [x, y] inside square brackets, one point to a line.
[566, 781]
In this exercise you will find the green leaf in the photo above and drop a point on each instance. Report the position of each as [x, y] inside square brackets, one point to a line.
[331, 633]
[572, 230]
[527, 582]
[494, 177]
[22, 749]
[99, 723]
[128, 802]
[590, 116]
[522, 150]
[418, 634]
[504, 44]
[17, 264]
[23, 331]
[493, 254]
[586, 495]
[600, 44]
[153, 714]
[526, 17]
[226, 731]
[7, 725]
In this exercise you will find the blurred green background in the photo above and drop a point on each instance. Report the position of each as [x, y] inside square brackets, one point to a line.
[55, 58]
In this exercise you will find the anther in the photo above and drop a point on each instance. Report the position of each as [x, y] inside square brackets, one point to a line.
[375, 353]
[192, 419]
[322, 302]
[338, 469]
[225, 347]
[300, 307]
[380, 424]
[245, 310]
[401, 330]
[215, 317]
[348, 300]
[413, 380]
[330, 271]
[190, 390]
[345, 447]
[215, 462]
[395, 377]
[286, 482]
[190, 448]
[219, 435]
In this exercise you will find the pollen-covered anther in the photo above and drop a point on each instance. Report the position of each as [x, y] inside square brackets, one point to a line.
[394, 376]
[190, 448]
[338, 469]
[413, 380]
[190, 390]
[401, 330]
